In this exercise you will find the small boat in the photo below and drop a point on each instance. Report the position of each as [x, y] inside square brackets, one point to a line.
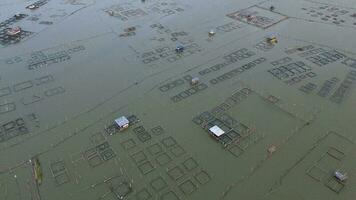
[32, 7]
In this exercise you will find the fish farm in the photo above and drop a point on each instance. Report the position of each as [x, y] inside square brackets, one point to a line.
[177, 100]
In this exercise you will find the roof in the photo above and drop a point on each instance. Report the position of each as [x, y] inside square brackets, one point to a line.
[121, 121]
[217, 131]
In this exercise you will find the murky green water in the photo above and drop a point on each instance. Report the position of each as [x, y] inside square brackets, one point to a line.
[286, 108]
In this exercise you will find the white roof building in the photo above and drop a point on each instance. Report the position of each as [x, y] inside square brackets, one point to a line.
[217, 131]
[122, 122]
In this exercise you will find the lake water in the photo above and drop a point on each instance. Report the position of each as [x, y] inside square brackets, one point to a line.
[278, 77]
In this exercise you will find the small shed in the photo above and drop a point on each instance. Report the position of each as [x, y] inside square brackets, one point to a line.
[216, 131]
[179, 48]
[272, 39]
[211, 33]
[194, 81]
[340, 176]
[122, 122]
